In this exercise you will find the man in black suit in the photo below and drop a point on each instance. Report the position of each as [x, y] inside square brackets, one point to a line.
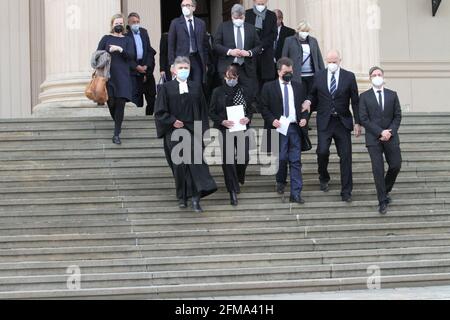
[381, 116]
[188, 38]
[143, 66]
[332, 92]
[283, 33]
[282, 97]
[265, 22]
[237, 42]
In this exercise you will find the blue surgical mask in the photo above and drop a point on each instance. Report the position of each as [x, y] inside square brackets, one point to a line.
[135, 28]
[183, 74]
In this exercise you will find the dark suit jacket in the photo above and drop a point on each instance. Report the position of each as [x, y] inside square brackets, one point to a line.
[179, 41]
[149, 53]
[224, 41]
[285, 32]
[268, 35]
[164, 64]
[271, 105]
[293, 49]
[375, 121]
[218, 106]
[322, 101]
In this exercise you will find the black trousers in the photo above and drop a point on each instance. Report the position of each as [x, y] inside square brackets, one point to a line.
[248, 81]
[117, 110]
[236, 157]
[145, 89]
[343, 139]
[392, 152]
[196, 73]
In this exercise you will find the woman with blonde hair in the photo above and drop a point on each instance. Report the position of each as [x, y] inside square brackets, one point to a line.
[119, 86]
[304, 50]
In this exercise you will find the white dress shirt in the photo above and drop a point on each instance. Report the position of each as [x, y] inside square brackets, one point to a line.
[183, 86]
[330, 75]
[292, 111]
[375, 90]
[188, 24]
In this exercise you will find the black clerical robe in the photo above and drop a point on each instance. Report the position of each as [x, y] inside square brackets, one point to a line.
[192, 178]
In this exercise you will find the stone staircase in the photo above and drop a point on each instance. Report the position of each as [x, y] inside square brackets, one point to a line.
[68, 197]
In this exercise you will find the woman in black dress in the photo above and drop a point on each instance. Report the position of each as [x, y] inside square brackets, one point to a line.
[119, 86]
[231, 93]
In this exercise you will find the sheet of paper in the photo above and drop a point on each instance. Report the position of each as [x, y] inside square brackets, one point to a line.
[285, 123]
[236, 114]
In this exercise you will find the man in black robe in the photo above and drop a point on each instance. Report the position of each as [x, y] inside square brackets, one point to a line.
[181, 111]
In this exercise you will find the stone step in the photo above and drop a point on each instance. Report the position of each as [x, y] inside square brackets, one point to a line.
[230, 289]
[68, 241]
[146, 279]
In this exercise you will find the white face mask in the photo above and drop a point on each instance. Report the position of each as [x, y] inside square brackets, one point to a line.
[260, 8]
[378, 82]
[186, 12]
[333, 67]
[238, 23]
[304, 35]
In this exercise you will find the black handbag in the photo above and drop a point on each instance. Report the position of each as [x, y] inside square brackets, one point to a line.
[306, 141]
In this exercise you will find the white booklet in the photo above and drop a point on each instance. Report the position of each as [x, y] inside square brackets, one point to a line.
[236, 114]
[285, 123]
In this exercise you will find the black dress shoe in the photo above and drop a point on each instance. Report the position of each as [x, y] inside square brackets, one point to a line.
[183, 203]
[242, 181]
[196, 205]
[233, 199]
[347, 199]
[298, 200]
[388, 200]
[281, 188]
[324, 187]
[116, 140]
[383, 208]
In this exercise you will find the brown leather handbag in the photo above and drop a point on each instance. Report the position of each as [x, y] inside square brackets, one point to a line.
[96, 90]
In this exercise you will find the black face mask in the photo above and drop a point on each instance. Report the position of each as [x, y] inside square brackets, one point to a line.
[288, 77]
[118, 29]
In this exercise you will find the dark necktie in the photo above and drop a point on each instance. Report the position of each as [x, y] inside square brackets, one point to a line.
[380, 100]
[192, 37]
[286, 100]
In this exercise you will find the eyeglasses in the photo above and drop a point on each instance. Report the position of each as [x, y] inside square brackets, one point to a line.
[187, 6]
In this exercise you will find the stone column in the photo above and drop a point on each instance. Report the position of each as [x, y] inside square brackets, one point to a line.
[73, 29]
[350, 26]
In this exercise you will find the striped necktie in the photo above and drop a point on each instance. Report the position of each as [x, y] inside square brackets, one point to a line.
[333, 86]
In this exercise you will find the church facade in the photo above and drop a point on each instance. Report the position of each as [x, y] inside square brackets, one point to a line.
[45, 55]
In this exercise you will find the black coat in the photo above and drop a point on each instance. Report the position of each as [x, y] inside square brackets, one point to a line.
[179, 41]
[322, 101]
[119, 85]
[171, 106]
[149, 53]
[220, 100]
[224, 41]
[268, 36]
[375, 121]
[285, 32]
[164, 65]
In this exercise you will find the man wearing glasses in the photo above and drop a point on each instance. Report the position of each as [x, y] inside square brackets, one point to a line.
[188, 37]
